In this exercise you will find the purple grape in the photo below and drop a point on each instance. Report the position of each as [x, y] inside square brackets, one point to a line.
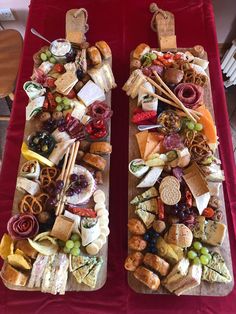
[83, 184]
[74, 177]
[188, 211]
[146, 237]
[51, 203]
[59, 184]
[82, 177]
[181, 214]
[153, 241]
[77, 190]
[70, 192]
[174, 211]
[61, 128]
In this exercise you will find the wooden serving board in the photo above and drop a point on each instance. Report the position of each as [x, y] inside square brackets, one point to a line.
[72, 284]
[205, 289]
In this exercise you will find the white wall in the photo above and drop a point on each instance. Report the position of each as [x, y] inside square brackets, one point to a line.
[20, 10]
[225, 17]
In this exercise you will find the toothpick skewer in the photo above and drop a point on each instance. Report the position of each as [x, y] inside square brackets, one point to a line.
[193, 112]
[174, 98]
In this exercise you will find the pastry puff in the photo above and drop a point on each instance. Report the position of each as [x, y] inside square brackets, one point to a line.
[147, 277]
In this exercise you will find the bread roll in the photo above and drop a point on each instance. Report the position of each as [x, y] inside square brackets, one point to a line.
[13, 276]
[26, 248]
[95, 161]
[133, 260]
[147, 277]
[140, 50]
[180, 235]
[101, 148]
[156, 263]
[94, 55]
[136, 227]
[137, 243]
[104, 49]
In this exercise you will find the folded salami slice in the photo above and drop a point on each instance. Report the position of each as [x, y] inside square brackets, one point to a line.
[190, 94]
[22, 226]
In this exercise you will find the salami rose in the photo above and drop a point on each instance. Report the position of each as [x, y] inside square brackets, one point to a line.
[100, 110]
[22, 226]
[173, 141]
[190, 94]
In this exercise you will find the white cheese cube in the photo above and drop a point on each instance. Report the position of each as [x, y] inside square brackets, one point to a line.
[91, 92]
[78, 111]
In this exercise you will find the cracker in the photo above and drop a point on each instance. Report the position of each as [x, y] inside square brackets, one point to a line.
[169, 181]
[170, 195]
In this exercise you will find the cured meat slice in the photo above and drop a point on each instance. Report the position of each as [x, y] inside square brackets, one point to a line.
[190, 94]
[22, 226]
[173, 141]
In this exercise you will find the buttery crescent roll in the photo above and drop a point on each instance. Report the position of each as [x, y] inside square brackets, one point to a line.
[156, 263]
[133, 260]
[101, 148]
[94, 55]
[95, 161]
[147, 277]
[104, 49]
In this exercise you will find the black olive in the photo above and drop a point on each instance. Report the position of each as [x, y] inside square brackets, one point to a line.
[80, 74]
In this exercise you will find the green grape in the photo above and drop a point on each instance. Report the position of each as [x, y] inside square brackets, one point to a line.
[204, 250]
[196, 261]
[209, 256]
[197, 245]
[66, 250]
[43, 56]
[75, 251]
[48, 53]
[69, 244]
[74, 237]
[58, 99]
[66, 107]
[77, 244]
[192, 254]
[190, 125]
[66, 101]
[204, 259]
[198, 127]
[53, 60]
[59, 108]
[153, 56]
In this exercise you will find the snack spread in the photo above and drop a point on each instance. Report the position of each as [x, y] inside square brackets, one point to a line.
[175, 220]
[57, 238]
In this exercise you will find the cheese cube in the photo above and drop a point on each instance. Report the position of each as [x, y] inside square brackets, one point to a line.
[215, 233]
[79, 110]
[91, 92]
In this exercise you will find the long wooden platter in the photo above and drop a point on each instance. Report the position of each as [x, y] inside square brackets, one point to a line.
[72, 284]
[205, 289]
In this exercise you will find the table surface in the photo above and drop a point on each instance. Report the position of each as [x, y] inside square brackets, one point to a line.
[10, 53]
[123, 24]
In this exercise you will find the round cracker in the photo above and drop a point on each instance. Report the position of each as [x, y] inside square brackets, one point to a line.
[99, 206]
[170, 196]
[98, 242]
[170, 180]
[105, 230]
[103, 238]
[99, 196]
[102, 212]
[104, 220]
[92, 248]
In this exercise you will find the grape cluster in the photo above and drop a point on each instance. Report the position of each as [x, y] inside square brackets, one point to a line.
[53, 190]
[51, 124]
[185, 214]
[199, 254]
[71, 246]
[151, 237]
[77, 184]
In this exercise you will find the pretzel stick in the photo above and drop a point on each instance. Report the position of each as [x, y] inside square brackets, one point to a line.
[64, 164]
[70, 167]
[174, 98]
[193, 112]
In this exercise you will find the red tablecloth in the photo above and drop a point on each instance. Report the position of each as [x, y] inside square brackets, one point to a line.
[123, 24]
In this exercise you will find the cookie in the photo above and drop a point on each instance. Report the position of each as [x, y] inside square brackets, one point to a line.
[169, 181]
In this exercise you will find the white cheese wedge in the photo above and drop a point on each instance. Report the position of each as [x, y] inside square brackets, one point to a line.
[202, 202]
[46, 67]
[198, 69]
[34, 106]
[142, 93]
[27, 186]
[151, 178]
[91, 92]
[79, 110]
[76, 219]
[201, 62]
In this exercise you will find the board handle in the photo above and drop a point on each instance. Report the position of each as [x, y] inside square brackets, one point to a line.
[163, 23]
[76, 25]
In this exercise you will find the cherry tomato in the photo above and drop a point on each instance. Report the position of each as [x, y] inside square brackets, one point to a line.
[177, 56]
[71, 94]
[45, 105]
[167, 56]
[157, 62]
[208, 212]
[50, 82]
[59, 68]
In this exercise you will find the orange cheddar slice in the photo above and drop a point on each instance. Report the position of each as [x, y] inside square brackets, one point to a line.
[209, 129]
[152, 145]
[142, 140]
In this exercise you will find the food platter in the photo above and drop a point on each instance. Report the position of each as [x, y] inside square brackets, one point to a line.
[57, 238]
[134, 262]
